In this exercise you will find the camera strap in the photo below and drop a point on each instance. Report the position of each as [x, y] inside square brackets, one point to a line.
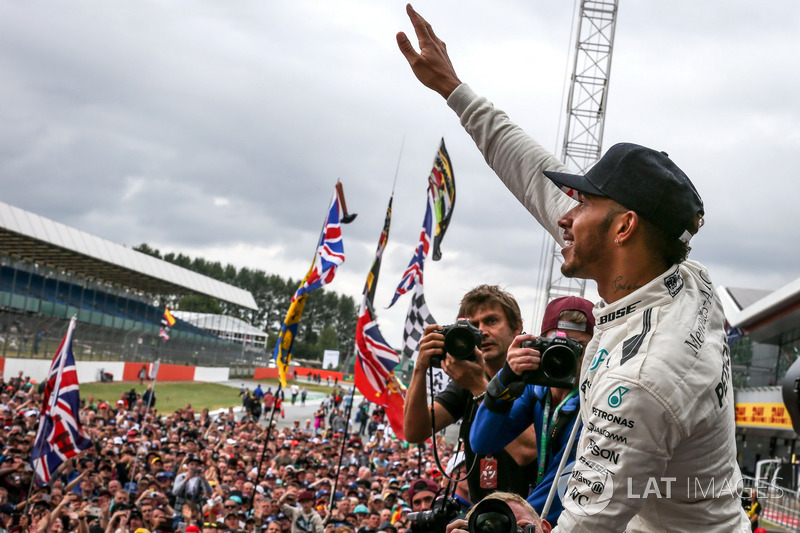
[550, 428]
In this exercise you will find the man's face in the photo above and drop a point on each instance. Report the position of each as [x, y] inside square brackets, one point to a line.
[374, 521]
[232, 521]
[422, 500]
[497, 333]
[345, 505]
[586, 232]
[147, 512]
[158, 516]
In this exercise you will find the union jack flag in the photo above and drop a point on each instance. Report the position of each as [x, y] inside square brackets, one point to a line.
[375, 359]
[413, 273]
[330, 252]
[60, 434]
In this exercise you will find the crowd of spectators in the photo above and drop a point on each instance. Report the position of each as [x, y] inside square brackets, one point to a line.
[188, 472]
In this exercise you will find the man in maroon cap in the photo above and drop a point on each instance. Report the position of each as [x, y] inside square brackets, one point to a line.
[304, 518]
[551, 409]
[421, 494]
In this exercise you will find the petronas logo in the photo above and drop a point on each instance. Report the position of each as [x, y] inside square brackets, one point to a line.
[615, 398]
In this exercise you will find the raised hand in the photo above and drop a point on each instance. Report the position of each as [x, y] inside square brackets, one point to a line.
[431, 65]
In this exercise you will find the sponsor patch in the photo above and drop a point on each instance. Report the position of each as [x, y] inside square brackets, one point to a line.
[615, 398]
[599, 357]
[606, 433]
[674, 283]
[620, 420]
[619, 313]
[589, 487]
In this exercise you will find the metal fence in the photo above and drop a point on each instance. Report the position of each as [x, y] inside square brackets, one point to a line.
[780, 506]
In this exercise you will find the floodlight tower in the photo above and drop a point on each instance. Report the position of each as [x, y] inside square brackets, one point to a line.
[586, 111]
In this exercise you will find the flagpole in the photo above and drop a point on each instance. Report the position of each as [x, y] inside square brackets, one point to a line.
[266, 442]
[348, 410]
[146, 412]
[399, 158]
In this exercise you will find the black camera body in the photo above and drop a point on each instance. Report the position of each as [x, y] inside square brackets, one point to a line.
[559, 365]
[460, 341]
[435, 520]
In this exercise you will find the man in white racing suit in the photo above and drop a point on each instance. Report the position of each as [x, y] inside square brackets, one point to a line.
[657, 452]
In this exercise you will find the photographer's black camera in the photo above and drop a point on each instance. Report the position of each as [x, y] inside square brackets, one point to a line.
[460, 341]
[442, 512]
[559, 365]
[495, 516]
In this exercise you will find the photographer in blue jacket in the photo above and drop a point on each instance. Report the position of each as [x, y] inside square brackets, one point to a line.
[552, 410]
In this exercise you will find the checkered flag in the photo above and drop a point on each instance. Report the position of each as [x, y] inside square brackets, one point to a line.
[418, 317]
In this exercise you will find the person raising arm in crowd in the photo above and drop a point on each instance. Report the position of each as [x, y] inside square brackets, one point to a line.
[656, 383]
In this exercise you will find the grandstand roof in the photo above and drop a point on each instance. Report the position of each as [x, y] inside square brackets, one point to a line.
[224, 323]
[765, 318]
[34, 238]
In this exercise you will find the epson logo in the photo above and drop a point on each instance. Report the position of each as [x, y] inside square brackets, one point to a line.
[619, 313]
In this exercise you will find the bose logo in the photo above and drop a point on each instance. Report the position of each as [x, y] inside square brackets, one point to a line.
[619, 313]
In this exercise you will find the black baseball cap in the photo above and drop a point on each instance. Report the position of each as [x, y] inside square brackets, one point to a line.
[643, 180]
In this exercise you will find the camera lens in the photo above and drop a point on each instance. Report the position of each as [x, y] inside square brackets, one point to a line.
[492, 516]
[558, 362]
[492, 522]
[460, 343]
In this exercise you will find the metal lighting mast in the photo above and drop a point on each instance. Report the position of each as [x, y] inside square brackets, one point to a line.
[586, 110]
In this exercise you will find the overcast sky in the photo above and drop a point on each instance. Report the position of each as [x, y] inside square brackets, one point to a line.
[218, 129]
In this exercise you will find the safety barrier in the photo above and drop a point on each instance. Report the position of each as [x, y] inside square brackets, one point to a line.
[90, 371]
[780, 506]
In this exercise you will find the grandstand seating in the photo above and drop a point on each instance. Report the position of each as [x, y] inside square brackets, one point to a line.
[34, 292]
[31, 302]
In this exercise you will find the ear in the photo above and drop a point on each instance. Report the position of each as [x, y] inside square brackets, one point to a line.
[625, 226]
[546, 527]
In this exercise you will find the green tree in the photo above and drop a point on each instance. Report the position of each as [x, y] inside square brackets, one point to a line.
[146, 249]
[199, 303]
[328, 339]
[273, 294]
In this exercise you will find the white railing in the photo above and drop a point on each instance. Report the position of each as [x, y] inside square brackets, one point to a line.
[780, 506]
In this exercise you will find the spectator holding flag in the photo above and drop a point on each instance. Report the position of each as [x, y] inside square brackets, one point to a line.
[60, 433]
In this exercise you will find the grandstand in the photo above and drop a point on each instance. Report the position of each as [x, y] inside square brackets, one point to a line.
[50, 272]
